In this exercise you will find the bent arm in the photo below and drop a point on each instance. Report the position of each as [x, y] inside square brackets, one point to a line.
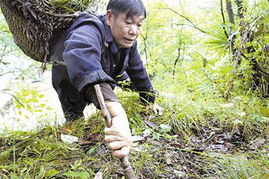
[139, 77]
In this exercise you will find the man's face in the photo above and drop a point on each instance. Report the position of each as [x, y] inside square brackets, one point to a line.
[124, 30]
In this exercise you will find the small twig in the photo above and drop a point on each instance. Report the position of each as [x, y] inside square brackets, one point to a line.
[223, 18]
[15, 97]
[7, 73]
[177, 147]
[3, 54]
[187, 19]
[145, 44]
[176, 61]
[256, 63]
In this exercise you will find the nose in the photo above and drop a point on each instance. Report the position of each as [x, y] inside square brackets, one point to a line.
[134, 30]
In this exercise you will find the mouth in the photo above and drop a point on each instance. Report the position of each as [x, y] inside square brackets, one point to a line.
[129, 40]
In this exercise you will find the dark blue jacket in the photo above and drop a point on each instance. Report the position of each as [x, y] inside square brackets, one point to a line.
[91, 56]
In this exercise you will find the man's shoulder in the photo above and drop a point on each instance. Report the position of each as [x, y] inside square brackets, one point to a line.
[86, 18]
[90, 20]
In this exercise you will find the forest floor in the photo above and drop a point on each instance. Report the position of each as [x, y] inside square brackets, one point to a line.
[160, 150]
[200, 135]
[214, 124]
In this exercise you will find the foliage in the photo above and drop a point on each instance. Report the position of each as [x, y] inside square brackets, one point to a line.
[71, 5]
[30, 104]
[250, 38]
[40, 154]
[214, 123]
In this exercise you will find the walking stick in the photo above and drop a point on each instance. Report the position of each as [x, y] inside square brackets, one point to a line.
[127, 168]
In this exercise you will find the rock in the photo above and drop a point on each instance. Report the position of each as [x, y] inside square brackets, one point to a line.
[69, 139]
[179, 173]
[152, 125]
[137, 138]
[256, 144]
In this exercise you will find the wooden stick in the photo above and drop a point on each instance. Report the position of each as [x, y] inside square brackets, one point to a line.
[127, 168]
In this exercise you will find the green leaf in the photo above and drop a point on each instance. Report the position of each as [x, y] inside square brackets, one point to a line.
[51, 173]
[165, 128]
[264, 119]
[82, 175]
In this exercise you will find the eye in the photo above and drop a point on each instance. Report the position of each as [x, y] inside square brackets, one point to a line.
[128, 22]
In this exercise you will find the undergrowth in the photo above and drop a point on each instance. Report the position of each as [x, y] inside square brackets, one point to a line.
[214, 124]
[174, 145]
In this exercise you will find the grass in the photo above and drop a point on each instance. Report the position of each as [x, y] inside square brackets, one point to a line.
[176, 144]
[213, 126]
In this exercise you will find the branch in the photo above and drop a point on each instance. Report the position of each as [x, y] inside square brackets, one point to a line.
[240, 9]
[15, 97]
[3, 54]
[145, 44]
[187, 19]
[6, 73]
[255, 63]
[223, 19]
[176, 61]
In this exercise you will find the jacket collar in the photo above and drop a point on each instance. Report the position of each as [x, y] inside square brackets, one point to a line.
[108, 36]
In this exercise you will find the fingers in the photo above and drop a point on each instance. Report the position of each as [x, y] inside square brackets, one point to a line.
[115, 142]
[117, 145]
[118, 136]
[116, 132]
[158, 110]
[123, 152]
[111, 131]
[120, 149]
[112, 138]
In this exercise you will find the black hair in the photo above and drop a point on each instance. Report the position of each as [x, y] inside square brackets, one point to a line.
[130, 7]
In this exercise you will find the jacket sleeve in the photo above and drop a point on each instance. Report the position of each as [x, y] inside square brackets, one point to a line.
[139, 76]
[82, 56]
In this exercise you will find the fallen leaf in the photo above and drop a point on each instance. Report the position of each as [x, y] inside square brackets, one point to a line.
[69, 139]
[255, 144]
[165, 128]
[152, 125]
[168, 158]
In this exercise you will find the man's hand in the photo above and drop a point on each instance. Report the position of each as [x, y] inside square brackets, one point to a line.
[119, 135]
[158, 110]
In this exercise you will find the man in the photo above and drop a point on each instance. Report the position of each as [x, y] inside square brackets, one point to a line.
[103, 49]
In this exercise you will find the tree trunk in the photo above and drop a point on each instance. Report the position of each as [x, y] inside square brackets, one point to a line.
[229, 9]
[240, 10]
[260, 78]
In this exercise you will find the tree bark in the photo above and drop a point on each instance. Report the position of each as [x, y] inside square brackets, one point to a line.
[229, 9]
[260, 77]
[240, 10]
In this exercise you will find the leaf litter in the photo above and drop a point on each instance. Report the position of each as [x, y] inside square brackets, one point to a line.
[158, 152]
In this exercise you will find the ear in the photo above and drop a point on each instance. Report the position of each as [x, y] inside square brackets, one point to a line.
[108, 17]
